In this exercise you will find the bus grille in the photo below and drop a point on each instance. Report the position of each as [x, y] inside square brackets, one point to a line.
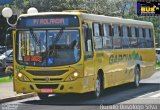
[44, 79]
[41, 86]
[47, 73]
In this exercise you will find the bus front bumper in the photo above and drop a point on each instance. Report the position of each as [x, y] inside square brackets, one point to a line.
[76, 86]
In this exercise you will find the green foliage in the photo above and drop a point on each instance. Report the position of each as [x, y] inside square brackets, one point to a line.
[5, 79]
[158, 65]
[48, 5]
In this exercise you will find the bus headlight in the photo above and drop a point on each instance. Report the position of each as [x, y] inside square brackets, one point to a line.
[19, 75]
[72, 76]
[22, 77]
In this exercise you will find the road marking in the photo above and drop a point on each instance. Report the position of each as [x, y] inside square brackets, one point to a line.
[156, 95]
[145, 94]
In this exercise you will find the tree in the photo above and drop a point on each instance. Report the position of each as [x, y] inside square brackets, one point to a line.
[123, 6]
[48, 5]
[99, 6]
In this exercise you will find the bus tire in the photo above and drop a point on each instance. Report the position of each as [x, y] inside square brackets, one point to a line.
[137, 76]
[42, 96]
[98, 87]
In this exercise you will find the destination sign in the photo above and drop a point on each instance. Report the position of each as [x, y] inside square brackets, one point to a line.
[48, 21]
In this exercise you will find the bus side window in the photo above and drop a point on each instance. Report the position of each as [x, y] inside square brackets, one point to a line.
[151, 37]
[107, 38]
[129, 31]
[133, 39]
[137, 32]
[87, 33]
[141, 42]
[147, 38]
[97, 30]
[120, 31]
[125, 38]
[144, 37]
[117, 41]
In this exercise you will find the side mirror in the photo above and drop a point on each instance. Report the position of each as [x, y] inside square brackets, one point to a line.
[11, 55]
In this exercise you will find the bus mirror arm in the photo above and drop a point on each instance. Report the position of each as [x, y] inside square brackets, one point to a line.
[12, 25]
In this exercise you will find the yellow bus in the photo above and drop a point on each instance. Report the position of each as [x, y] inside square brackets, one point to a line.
[77, 52]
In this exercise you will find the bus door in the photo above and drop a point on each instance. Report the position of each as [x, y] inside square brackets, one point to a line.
[88, 58]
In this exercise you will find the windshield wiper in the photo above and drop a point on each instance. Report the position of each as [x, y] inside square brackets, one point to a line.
[58, 36]
[52, 51]
[34, 36]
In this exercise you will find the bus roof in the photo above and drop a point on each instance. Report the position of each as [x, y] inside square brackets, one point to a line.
[50, 13]
[95, 18]
[114, 20]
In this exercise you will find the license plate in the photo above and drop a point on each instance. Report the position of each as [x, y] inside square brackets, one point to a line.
[47, 90]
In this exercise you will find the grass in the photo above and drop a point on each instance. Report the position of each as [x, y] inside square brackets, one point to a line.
[158, 65]
[5, 79]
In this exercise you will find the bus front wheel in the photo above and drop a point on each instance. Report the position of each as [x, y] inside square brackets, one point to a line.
[42, 96]
[98, 87]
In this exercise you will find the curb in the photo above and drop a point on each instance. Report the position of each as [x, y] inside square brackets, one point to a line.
[24, 96]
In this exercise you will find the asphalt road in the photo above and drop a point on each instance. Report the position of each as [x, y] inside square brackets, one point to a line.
[148, 93]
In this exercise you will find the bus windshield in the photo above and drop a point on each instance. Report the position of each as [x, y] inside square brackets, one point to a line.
[48, 47]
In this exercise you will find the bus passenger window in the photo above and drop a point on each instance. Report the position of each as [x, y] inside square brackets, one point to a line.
[107, 39]
[141, 40]
[96, 29]
[120, 31]
[125, 38]
[151, 37]
[144, 37]
[147, 39]
[144, 32]
[137, 32]
[129, 31]
[110, 30]
[124, 28]
[117, 41]
[140, 32]
[97, 35]
[133, 32]
[133, 38]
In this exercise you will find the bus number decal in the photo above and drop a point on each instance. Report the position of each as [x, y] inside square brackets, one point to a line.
[32, 59]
